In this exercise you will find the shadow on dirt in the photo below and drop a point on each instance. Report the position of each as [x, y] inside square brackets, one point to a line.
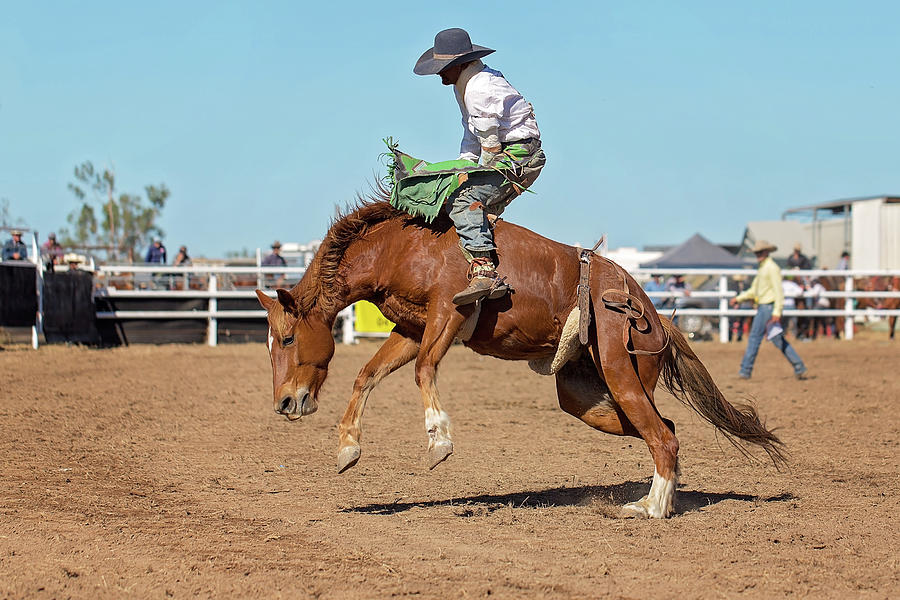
[618, 494]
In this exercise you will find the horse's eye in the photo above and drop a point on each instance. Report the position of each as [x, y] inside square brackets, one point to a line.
[287, 340]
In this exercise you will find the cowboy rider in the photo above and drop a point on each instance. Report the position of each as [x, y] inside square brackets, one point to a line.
[495, 117]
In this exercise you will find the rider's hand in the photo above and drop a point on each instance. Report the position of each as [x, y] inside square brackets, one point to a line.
[488, 157]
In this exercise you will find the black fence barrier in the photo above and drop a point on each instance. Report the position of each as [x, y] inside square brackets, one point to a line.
[69, 313]
[18, 294]
[241, 331]
[116, 332]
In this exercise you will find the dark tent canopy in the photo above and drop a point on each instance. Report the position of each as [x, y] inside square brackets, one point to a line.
[698, 253]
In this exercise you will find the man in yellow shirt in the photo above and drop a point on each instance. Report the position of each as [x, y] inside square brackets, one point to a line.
[767, 292]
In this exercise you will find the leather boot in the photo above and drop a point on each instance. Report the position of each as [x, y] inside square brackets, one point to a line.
[484, 282]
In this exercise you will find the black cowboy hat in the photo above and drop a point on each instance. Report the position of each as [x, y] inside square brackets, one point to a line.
[451, 46]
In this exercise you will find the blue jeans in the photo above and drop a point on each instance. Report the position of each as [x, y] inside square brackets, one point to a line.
[490, 193]
[469, 207]
[757, 333]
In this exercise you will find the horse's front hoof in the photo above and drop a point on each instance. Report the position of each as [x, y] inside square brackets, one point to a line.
[347, 457]
[634, 510]
[644, 509]
[438, 453]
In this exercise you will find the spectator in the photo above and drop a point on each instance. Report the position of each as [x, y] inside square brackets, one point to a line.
[680, 289]
[736, 324]
[51, 252]
[275, 260]
[818, 301]
[766, 291]
[655, 285]
[792, 291]
[182, 259]
[73, 260]
[798, 260]
[677, 285]
[156, 253]
[844, 263]
[15, 249]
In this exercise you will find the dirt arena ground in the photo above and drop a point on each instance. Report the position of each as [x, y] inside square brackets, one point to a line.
[163, 472]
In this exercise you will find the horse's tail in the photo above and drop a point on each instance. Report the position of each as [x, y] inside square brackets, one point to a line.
[688, 380]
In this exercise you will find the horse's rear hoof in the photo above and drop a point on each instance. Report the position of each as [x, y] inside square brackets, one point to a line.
[347, 457]
[438, 453]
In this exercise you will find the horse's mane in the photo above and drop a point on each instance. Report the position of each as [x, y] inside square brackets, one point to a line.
[321, 283]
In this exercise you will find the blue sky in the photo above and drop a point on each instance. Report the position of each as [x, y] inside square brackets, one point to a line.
[659, 119]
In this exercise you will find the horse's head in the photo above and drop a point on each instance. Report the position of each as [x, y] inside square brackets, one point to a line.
[300, 346]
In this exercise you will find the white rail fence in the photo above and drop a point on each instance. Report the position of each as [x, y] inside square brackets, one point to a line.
[722, 312]
[218, 282]
[204, 282]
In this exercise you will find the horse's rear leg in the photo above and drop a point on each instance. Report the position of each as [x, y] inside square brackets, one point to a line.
[631, 380]
[397, 351]
[583, 394]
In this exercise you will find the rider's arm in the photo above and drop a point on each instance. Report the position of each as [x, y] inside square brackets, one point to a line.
[469, 148]
[484, 105]
[487, 130]
[774, 274]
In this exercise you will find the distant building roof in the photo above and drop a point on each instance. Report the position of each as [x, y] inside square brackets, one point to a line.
[783, 234]
[630, 258]
[696, 252]
[834, 205]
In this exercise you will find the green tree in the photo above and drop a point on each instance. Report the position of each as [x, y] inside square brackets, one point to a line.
[127, 223]
[6, 218]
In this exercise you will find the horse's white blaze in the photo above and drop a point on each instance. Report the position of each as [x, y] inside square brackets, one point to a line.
[271, 340]
[437, 424]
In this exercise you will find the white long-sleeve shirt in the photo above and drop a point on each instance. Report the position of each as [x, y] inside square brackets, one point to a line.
[487, 101]
[791, 291]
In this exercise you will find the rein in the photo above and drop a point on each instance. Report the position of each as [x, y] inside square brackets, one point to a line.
[629, 304]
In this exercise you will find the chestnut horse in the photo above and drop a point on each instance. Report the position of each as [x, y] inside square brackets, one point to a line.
[411, 270]
[882, 284]
[831, 283]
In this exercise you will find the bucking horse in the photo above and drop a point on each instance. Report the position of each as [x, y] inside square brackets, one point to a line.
[606, 345]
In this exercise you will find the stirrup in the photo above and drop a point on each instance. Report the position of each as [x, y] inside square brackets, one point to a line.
[480, 288]
[499, 287]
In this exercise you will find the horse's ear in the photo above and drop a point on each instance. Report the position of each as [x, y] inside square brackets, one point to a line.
[265, 300]
[288, 302]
